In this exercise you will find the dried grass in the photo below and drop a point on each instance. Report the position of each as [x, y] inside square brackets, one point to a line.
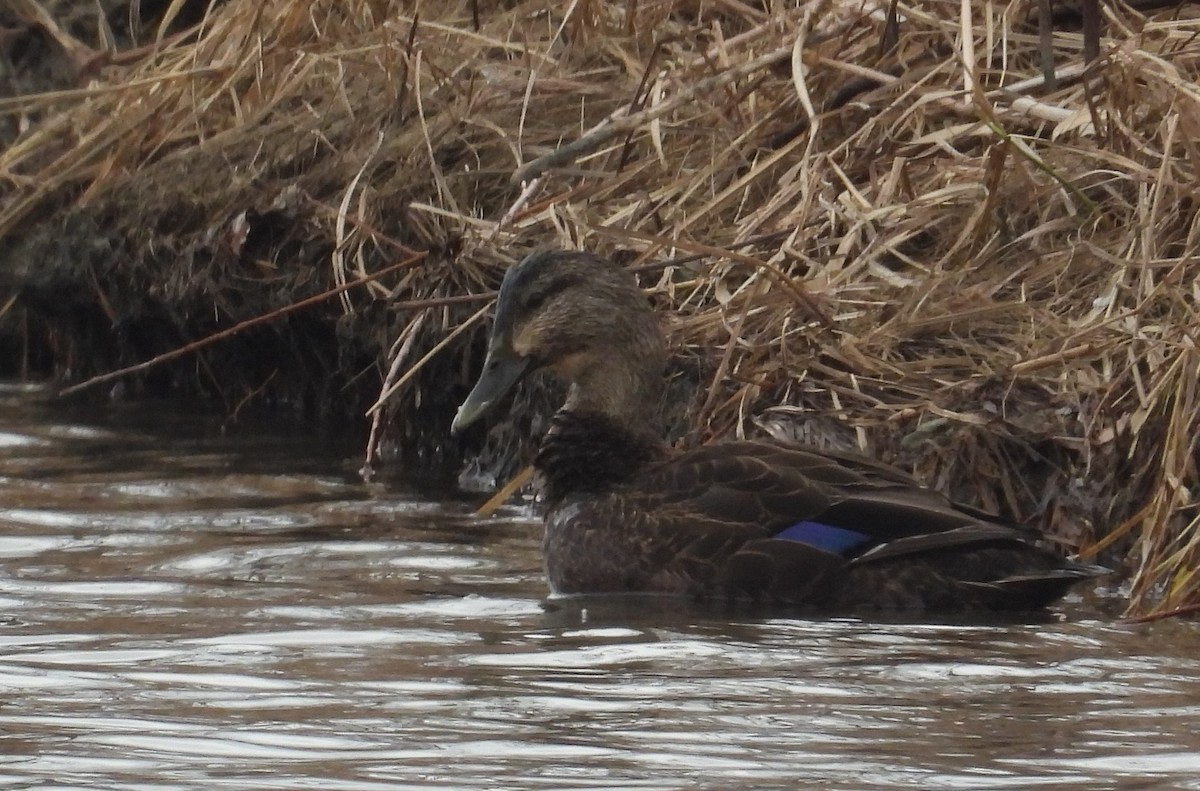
[886, 230]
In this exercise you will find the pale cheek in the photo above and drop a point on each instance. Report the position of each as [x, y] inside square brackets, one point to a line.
[523, 342]
[537, 337]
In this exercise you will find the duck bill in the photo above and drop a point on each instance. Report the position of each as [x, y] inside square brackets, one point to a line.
[501, 372]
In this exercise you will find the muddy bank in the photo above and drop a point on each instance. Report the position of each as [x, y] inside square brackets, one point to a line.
[171, 241]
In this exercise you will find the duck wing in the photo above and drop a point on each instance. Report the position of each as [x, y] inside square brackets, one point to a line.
[765, 520]
[840, 504]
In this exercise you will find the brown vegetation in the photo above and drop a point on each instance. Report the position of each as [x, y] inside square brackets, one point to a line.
[924, 229]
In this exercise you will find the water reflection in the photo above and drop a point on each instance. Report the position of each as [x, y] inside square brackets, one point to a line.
[181, 609]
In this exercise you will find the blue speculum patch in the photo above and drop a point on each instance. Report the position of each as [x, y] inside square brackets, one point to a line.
[827, 538]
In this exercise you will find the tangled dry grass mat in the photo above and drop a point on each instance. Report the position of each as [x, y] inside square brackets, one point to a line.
[933, 230]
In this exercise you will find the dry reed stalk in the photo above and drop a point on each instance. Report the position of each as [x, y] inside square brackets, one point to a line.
[928, 234]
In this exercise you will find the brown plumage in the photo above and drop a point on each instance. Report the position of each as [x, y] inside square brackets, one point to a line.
[757, 520]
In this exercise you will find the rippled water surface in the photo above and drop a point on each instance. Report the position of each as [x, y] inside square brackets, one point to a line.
[185, 610]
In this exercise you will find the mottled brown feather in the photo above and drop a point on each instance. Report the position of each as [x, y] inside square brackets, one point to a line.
[625, 514]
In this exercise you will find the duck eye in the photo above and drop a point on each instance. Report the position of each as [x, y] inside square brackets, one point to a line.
[535, 300]
[540, 293]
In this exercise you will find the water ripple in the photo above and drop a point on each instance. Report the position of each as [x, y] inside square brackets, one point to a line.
[185, 609]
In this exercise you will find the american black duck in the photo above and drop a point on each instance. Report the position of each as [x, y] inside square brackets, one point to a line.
[757, 520]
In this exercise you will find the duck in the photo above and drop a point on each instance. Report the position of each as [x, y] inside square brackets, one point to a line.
[747, 520]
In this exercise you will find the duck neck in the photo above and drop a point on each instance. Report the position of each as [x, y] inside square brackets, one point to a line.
[605, 433]
[627, 396]
[587, 452]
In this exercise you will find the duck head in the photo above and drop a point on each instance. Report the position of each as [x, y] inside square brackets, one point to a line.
[585, 320]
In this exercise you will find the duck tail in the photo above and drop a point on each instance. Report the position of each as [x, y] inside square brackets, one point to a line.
[1036, 590]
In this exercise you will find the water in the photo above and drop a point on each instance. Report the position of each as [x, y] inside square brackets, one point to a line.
[182, 610]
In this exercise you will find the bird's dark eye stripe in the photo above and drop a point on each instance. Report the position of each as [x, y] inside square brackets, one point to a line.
[537, 296]
[535, 299]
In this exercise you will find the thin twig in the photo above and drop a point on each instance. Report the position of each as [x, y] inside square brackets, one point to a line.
[503, 494]
[241, 326]
[408, 337]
